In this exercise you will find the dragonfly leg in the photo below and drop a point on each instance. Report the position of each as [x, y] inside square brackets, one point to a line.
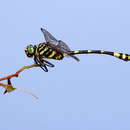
[44, 68]
[9, 83]
[42, 64]
[47, 63]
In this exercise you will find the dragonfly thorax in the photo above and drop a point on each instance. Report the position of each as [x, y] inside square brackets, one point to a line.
[30, 50]
[49, 51]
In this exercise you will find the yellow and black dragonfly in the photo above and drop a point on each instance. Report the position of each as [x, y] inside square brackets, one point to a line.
[57, 49]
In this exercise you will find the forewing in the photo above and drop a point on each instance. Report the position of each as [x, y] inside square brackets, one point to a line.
[48, 37]
[60, 45]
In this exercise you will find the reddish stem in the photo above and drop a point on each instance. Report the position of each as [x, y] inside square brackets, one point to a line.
[19, 71]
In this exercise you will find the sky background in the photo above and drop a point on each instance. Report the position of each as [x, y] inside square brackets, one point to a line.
[93, 94]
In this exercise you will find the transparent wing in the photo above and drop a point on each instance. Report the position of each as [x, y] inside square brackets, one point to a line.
[48, 37]
[51, 39]
[64, 47]
[58, 43]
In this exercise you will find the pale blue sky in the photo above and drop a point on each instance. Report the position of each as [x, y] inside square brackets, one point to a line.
[93, 94]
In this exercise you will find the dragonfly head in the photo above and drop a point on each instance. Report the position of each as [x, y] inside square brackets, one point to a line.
[30, 50]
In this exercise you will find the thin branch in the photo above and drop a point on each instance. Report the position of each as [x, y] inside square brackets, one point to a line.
[19, 71]
[9, 87]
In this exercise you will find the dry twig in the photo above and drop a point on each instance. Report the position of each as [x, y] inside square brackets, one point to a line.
[9, 87]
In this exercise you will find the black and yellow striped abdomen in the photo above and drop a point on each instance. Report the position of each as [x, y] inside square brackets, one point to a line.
[121, 56]
[44, 50]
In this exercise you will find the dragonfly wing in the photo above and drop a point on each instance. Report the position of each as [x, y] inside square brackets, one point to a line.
[64, 47]
[58, 43]
[48, 37]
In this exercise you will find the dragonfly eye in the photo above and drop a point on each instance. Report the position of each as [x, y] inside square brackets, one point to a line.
[30, 50]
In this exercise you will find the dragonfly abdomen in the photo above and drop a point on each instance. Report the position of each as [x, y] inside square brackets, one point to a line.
[43, 50]
[121, 56]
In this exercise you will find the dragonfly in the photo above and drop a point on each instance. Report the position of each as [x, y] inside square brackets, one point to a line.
[57, 49]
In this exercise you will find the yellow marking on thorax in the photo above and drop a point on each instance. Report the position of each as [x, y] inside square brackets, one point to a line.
[42, 52]
[52, 54]
[40, 48]
[40, 45]
[124, 56]
[89, 51]
[116, 54]
[49, 51]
